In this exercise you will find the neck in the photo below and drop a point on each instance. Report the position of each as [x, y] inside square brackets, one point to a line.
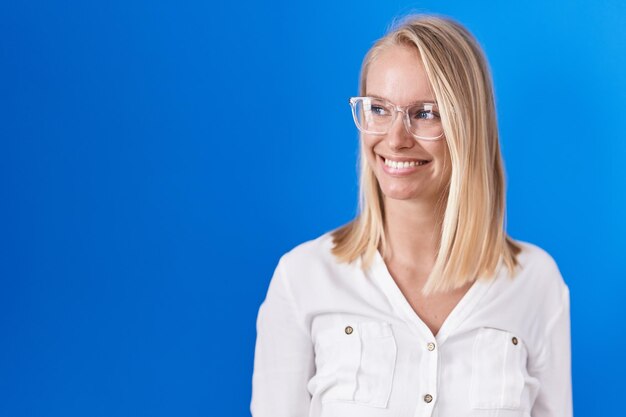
[412, 230]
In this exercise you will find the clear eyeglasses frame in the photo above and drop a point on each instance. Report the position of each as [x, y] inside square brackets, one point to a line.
[375, 116]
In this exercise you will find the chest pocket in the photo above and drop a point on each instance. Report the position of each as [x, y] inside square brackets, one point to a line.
[498, 364]
[356, 363]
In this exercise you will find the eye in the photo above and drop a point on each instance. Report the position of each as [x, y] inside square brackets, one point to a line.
[379, 110]
[424, 113]
[427, 115]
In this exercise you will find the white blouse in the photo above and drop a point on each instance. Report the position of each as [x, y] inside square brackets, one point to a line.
[334, 341]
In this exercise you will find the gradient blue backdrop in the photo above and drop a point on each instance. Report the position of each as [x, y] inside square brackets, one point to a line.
[157, 157]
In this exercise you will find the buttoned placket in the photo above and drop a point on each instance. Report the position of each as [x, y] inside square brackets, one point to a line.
[425, 340]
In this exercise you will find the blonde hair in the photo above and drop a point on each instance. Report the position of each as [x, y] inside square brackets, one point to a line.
[473, 240]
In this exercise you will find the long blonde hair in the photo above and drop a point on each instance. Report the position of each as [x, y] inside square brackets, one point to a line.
[473, 240]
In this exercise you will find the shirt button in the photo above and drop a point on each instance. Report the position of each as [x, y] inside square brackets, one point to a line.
[349, 329]
[514, 340]
[428, 398]
[430, 346]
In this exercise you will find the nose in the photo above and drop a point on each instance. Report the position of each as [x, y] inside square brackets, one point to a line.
[398, 136]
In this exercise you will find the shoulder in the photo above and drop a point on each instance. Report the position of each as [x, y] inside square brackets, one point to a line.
[314, 256]
[538, 274]
[311, 267]
[312, 252]
[534, 254]
[536, 260]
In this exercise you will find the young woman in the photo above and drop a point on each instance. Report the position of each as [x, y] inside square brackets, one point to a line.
[422, 305]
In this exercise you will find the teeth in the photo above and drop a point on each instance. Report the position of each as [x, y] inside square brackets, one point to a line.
[401, 165]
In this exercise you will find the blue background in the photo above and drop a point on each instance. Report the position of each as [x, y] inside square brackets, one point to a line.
[158, 157]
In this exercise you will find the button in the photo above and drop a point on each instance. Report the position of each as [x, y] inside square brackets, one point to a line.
[428, 398]
[514, 340]
[430, 346]
[349, 329]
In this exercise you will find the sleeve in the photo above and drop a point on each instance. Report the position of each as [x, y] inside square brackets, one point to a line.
[554, 398]
[283, 359]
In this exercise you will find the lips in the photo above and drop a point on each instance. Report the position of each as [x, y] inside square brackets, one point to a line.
[403, 163]
[402, 167]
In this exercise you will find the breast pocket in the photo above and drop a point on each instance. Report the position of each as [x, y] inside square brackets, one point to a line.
[356, 363]
[498, 363]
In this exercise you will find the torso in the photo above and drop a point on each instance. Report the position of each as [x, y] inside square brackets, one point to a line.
[475, 367]
[433, 309]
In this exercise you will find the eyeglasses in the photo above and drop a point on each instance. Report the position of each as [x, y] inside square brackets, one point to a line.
[375, 116]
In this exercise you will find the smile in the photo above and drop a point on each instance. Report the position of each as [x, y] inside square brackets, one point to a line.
[403, 164]
[401, 168]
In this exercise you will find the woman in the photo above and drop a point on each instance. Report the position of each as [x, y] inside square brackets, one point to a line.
[422, 305]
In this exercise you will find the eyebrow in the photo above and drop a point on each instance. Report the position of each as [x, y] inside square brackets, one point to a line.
[430, 101]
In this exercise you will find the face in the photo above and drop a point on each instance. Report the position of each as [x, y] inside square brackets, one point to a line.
[397, 75]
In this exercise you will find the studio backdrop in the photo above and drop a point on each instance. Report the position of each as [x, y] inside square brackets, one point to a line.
[157, 158]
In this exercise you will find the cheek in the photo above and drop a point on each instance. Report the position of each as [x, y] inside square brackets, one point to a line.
[440, 151]
[446, 163]
[367, 151]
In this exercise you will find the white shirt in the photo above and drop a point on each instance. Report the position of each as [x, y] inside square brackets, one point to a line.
[334, 341]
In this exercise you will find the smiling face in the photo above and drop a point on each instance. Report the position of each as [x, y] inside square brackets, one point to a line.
[397, 75]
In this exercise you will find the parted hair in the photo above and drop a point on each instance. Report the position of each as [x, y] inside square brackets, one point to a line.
[473, 239]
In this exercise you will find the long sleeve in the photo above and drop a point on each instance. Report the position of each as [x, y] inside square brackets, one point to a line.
[554, 398]
[284, 358]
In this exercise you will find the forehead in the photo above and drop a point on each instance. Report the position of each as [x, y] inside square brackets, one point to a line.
[397, 74]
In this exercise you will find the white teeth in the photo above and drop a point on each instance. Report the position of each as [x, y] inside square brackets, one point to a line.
[402, 165]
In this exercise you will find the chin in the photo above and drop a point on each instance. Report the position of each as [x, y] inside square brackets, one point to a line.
[401, 194]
